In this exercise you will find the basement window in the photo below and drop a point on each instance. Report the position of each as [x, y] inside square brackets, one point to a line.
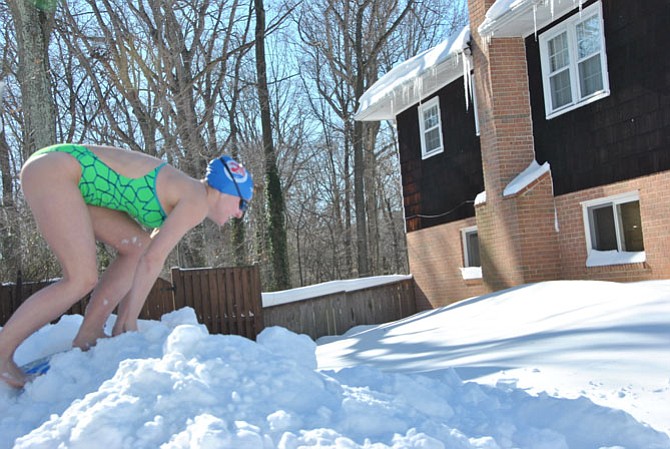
[574, 62]
[472, 266]
[431, 128]
[613, 228]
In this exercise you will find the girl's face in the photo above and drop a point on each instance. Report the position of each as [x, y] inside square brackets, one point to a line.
[226, 207]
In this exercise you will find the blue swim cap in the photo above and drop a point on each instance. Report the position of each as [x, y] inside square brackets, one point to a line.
[224, 180]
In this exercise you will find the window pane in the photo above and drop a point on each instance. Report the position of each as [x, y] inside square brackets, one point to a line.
[590, 76]
[588, 37]
[432, 140]
[561, 93]
[603, 232]
[559, 55]
[430, 118]
[472, 239]
[631, 224]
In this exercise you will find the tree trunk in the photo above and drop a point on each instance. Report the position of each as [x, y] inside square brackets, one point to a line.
[238, 235]
[359, 159]
[275, 199]
[33, 27]
[10, 249]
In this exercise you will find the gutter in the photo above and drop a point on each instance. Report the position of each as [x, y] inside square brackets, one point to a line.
[538, 9]
[488, 28]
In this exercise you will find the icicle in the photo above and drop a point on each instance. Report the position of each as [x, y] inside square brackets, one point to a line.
[417, 88]
[467, 68]
[535, 20]
[466, 87]
[551, 6]
[430, 79]
[581, 3]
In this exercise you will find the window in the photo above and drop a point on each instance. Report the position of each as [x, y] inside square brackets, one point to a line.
[614, 230]
[574, 63]
[471, 262]
[470, 247]
[431, 128]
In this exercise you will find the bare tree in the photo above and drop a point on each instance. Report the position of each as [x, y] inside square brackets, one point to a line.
[274, 194]
[33, 26]
[156, 68]
[343, 40]
[177, 79]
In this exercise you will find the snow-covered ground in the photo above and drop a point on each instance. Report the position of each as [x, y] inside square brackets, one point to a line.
[554, 365]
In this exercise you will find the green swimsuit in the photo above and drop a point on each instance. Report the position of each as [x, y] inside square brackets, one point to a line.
[101, 186]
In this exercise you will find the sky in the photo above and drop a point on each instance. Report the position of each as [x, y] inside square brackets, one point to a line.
[555, 365]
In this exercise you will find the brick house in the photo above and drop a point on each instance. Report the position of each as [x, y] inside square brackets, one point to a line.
[534, 145]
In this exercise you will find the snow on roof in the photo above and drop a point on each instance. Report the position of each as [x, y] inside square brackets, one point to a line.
[418, 77]
[525, 178]
[480, 198]
[513, 18]
[521, 181]
[409, 82]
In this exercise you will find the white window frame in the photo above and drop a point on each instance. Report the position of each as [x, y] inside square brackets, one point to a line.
[469, 271]
[602, 258]
[433, 102]
[569, 26]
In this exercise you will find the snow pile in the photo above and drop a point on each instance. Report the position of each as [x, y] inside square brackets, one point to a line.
[172, 385]
[605, 341]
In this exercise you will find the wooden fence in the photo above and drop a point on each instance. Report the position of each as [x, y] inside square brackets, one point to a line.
[226, 300]
[337, 313]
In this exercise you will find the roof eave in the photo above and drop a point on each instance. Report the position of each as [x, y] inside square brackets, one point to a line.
[388, 107]
[526, 18]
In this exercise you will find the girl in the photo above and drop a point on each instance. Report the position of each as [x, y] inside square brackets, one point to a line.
[80, 194]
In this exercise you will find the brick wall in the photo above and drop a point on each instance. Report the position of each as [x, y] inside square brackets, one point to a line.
[507, 131]
[540, 258]
[436, 253]
[518, 237]
[516, 234]
[498, 249]
[435, 256]
[654, 211]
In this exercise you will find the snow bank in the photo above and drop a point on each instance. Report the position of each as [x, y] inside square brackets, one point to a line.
[172, 385]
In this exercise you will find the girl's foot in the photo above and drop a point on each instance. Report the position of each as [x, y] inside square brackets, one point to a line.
[86, 341]
[11, 374]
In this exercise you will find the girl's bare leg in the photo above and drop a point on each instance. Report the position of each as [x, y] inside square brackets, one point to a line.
[50, 187]
[129, 240]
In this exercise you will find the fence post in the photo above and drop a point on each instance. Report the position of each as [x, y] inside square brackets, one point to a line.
[256, 296]
[18, 291]
[178, 288]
